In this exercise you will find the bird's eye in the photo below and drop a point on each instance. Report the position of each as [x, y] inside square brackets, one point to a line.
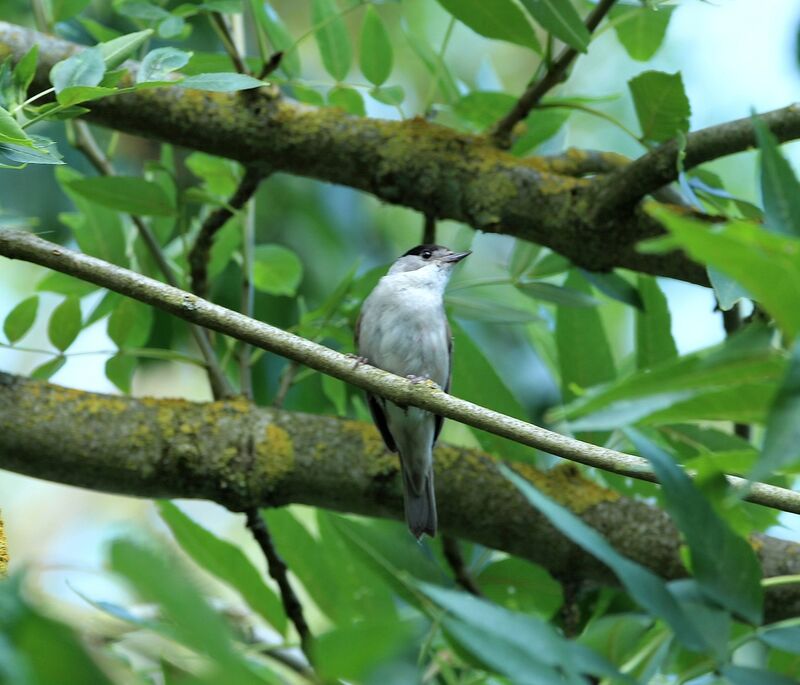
[426, 255]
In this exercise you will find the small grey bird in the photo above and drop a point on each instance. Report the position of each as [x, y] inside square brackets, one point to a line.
[403, 328]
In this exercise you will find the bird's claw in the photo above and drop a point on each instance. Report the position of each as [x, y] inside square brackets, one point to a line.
[358, 359]
[416, 380]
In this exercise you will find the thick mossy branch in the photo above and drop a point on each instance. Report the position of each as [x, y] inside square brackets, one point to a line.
[416, 163]
[241, 455]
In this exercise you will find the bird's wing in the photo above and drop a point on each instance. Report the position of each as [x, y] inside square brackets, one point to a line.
[439, 420]
[375, 405]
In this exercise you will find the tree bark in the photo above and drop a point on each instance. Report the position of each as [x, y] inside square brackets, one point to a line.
[418, 164]
[241, 455]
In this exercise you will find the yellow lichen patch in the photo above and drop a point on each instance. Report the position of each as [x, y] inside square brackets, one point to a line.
[568, 486]
[3, 550]
[378, 459]
[274, 454]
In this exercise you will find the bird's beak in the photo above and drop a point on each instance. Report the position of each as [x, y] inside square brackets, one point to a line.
[456, 256]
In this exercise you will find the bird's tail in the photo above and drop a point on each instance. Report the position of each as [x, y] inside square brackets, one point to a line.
[420, 505]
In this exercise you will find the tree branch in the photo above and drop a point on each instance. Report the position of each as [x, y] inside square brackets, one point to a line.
[280, 574]
[201, 250]
[450, 175]
[28, 247]
[625, 187]
[555, 74]
[241, 455]
[452, 553]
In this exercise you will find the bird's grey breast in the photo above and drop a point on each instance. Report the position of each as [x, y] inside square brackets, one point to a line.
[404, 331]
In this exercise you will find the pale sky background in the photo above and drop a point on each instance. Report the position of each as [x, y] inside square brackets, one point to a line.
[735, 56]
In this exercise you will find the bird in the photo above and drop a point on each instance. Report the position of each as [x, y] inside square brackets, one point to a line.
[403, 329]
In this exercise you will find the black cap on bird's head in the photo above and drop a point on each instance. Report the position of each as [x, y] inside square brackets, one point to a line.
[436, 253]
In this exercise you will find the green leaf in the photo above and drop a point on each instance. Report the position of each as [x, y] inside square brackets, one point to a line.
[748, 675]
[55, 282]
[66, 9]
[482, 108]
[584, 355]
[84, 68]
[225, 561]
[119, 370]
[221, 82]
[723, 563]
[615, 286]
[661, 105]
[560, 18]
[277, 33]
[522, 258]
[348, 99]
[376, 55]
[488, 310]
[644, 586]
[98, 230]
[140, 9]
[307, 95]
[727, 290]
[65, 323]
[779, 187]
[446, 85]
[131, 194]
[159, 62]
[25, 70]
[744, 368]
[390, 95]
[500, 19]
[476, 380]
[276, 270]
[48, 369]
[641, 30]
[117, 50]
[20, 319]
[130, 323]
[332, 38]
[378, 642]
[198, 626]
[73, 95]
[10, 130]
[556, 294]
[782, 439]
[520, 585]
[766, 264]
[654, 342]
[540, 125]
[780, 636]
[171, 26]
[502, 640]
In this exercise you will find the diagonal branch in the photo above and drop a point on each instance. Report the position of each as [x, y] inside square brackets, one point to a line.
[20, 245]
[201, 250]
[241, 455]
[629, 184]
[555, 74]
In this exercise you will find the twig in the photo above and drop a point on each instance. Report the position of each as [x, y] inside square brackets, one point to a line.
[281, 656]
[87, 145]
[31, 248]
[732, 322]
[221, 27]
[658, 168]
[501, 132]
[201, 250]
[271, 64]
[248, 295]
[429, 230]
[287, 379]
[452, 552]
[279, 572]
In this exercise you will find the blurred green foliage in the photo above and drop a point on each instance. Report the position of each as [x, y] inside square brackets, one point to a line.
[535, 338]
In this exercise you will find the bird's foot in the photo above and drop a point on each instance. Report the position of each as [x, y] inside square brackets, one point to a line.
[424, 380]
[358, 360]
